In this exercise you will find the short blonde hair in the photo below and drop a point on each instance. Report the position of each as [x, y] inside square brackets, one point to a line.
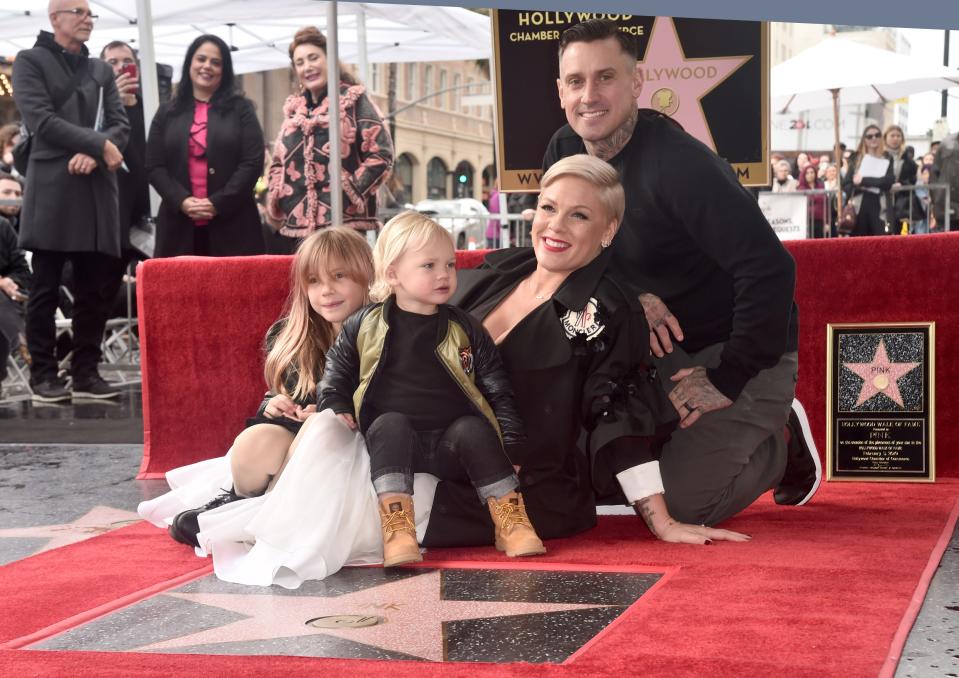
[405, 232]
[596, 171]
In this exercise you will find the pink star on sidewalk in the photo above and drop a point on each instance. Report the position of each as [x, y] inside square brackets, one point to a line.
[98, 520]
[413, 609]
[880, 376]
[674, 84]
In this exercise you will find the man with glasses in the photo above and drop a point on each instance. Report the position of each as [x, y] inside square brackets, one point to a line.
[71, 106]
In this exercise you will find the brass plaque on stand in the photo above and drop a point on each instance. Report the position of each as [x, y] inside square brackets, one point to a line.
[880, 402]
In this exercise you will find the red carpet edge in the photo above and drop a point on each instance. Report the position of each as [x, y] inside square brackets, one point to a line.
[915, 605]
[105, 609]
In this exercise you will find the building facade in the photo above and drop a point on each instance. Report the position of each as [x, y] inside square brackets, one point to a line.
[443, 136]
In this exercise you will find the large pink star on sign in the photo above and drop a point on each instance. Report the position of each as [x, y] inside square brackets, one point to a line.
[674, 85]
[880, 376]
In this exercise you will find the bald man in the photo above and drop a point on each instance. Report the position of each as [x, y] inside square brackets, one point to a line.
[70, 104]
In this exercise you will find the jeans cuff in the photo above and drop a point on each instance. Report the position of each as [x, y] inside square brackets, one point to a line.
[392, 482]
[498, 488]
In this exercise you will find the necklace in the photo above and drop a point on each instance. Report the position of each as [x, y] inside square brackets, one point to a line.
[540, 296]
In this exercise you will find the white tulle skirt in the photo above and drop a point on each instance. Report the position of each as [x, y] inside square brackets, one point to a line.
[321, 514]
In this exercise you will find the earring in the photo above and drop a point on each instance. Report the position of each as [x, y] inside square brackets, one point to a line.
[605, 243]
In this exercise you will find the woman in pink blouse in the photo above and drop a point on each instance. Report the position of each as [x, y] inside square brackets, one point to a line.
[298, 197]
[204, 156]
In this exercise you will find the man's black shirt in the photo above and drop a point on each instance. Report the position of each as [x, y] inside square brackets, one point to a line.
[694, 236]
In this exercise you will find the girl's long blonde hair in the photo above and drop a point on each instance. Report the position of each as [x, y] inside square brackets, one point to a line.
[406, 231]
[300, 346]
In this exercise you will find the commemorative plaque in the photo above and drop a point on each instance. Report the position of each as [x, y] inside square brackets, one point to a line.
[880, 395]
[711, 76]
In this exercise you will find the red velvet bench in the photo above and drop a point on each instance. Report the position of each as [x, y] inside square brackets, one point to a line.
[202, 323]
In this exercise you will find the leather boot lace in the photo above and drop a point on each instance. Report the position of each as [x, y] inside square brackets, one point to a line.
[397, 521]
[509, 514]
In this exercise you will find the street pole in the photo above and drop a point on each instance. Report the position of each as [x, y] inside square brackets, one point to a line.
[945, 62]
[333, 89]
[150, 93]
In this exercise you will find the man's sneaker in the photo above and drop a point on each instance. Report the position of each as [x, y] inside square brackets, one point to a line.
[50, 391]
[803, 468]
[96, 388]
[186, 525]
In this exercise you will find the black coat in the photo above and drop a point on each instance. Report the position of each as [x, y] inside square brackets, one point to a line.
[872, 209]
[132, 182]
[13, 261]
[576, 398]
[62, 211]
[235, 157]
[901, 208]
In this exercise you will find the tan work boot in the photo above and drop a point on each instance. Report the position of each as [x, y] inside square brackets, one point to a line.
[514, 532]
[399, 531]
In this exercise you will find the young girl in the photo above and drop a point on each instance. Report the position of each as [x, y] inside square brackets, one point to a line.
[424, 383]
[330, 280]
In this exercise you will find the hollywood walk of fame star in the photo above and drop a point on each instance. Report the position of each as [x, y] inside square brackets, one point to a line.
[880, 376]
[663, 67]
[413, 608]
[98, 520]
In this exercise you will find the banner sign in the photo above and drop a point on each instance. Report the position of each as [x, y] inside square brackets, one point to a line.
[787, 213]
[709, 75]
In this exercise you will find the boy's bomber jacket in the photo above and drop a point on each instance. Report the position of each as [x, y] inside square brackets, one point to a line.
[463, 347]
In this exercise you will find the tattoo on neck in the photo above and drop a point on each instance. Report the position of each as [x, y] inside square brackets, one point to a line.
[605, 149]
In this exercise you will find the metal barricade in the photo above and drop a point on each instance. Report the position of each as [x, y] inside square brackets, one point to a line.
[925, 195]
[469, 230]
[914, 221]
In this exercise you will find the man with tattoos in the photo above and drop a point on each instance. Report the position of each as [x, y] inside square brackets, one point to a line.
[717, 288]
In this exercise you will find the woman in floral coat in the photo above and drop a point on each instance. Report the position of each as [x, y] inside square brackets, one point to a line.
[298, 198]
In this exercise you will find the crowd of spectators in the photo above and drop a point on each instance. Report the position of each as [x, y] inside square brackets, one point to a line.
[899, 202]
[83, 123]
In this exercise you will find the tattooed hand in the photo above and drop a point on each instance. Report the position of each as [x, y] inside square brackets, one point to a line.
[695, 395]
[652, 510]
[661, 323]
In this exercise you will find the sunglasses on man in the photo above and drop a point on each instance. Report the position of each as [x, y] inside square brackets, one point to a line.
[78, 12]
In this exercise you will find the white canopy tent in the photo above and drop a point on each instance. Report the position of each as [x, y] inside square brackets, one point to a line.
[858, 74]
[259, 33]
[261, 30]
[863, 74]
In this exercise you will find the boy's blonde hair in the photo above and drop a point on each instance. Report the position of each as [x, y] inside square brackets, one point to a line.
[597, 172]
[306, 336]
[407, 231]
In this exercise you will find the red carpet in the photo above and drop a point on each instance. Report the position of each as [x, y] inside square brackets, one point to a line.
[820, 591]
[201, 333]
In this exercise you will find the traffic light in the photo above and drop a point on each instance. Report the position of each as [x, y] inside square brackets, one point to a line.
[462, 178]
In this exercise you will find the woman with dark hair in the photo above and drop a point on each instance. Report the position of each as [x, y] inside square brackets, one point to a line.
[867, 184]
[204, 155]
[809, 181]
[9, 135]
[299, 196]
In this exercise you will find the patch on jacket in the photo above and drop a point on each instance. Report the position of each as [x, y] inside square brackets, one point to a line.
[585, 322]
[466, 359]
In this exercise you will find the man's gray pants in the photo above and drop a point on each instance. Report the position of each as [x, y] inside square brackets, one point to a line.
[726, 460]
